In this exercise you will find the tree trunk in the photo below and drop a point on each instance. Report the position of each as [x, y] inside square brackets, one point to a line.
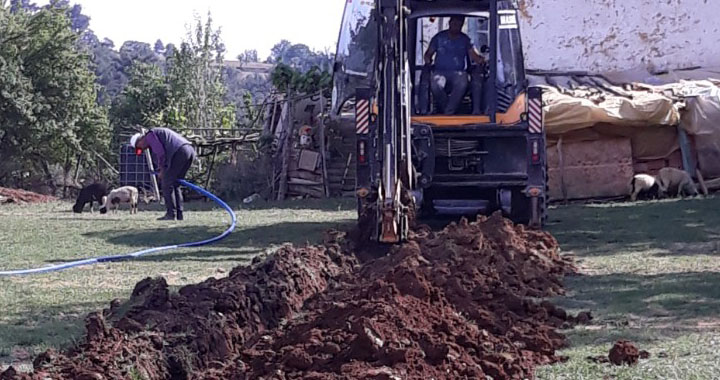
[66, 173]
[289, 128]
[77, 169]
[48, 176]
[323, 147]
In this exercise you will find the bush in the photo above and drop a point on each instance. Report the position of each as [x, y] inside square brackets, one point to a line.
[248, 176]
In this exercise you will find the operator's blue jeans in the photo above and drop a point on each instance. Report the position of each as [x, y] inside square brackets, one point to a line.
[448, 89]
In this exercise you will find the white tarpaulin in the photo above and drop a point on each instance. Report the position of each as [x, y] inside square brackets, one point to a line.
[572, 110]
[701, 119]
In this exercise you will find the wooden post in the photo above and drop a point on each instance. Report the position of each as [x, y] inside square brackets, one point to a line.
[345, 173]
[77, 168]
[289, 128]
[270, 123]
[103, 160]
[66, 170]
[562, 169]
[234, 154]
[211, 166]
[153, 177]
[686, 150]
[701, 180]
[323, 148]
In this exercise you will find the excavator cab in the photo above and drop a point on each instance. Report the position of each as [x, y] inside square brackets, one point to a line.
[415, 155]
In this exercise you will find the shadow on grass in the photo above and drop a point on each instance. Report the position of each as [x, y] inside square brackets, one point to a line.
[242, 257]
[333, 204]
[33, 328]
[256, 237]
[203, 255]
[669, 298]
[597, 230]
[632, 305]
[642, 308]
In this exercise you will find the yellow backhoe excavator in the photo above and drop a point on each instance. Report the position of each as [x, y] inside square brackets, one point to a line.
[444, 118]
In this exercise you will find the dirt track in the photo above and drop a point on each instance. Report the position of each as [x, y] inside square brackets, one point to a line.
[23, 196]
[449, 305]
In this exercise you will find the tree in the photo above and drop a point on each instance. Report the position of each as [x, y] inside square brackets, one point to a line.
[248, 56]
[299, 56]
[169, 50]
[48, 109]
[21, 5]
[108, 43]
[188, 92]
[144, 100]
[277, 53]
[287, 79]
[159, 47]
[134, 51]
[195, 81]
[240, 84]
[80, 22]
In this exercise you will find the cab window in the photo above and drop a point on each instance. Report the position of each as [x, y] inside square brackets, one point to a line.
[356, 51]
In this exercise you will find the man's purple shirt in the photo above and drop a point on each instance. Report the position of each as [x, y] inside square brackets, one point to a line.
[157, 149]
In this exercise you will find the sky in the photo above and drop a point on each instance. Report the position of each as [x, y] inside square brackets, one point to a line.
[245, 24]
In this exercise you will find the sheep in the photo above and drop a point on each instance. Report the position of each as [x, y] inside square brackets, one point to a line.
[646, 185]
[676, 182]
[126, 194]
[90, 194]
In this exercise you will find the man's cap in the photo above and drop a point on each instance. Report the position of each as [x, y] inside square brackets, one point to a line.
[134, 139]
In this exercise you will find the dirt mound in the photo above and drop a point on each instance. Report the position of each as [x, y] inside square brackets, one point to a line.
[449, 305]
[622, 353]
[625, 352]
[23, 196]
[460, 303]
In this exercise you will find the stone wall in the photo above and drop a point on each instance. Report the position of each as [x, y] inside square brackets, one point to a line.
[618, 35]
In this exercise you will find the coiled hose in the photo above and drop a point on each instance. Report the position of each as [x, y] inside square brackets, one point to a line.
[131, 256]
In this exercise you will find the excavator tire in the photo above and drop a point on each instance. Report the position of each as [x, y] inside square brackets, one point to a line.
[521, 212]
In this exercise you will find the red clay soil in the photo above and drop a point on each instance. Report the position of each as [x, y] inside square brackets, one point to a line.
[23, 196]
[623, 352]
[460, 303]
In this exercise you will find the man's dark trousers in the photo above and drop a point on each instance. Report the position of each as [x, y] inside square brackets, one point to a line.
[179, 166]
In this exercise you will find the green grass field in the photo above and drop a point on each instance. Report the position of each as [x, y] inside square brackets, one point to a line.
[650, 273]
[47, 310]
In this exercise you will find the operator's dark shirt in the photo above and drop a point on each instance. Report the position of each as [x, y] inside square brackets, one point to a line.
[451, 53]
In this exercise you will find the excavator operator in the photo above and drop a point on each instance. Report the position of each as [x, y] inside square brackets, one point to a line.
[449, 80]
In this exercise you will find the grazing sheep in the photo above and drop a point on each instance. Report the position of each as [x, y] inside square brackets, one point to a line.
[126, 194]
[90, 194]
[676, 182]
[645, 185]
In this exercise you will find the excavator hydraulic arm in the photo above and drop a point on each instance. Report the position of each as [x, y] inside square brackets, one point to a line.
[394, 120]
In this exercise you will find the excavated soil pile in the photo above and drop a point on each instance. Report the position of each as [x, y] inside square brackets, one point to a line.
[460, 303]
[160, 336]
[623, 352]
[22, 196]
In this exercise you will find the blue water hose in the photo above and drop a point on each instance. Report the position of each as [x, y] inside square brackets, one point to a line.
[135, 255]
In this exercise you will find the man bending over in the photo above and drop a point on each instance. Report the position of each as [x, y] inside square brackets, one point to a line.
[174, 155]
